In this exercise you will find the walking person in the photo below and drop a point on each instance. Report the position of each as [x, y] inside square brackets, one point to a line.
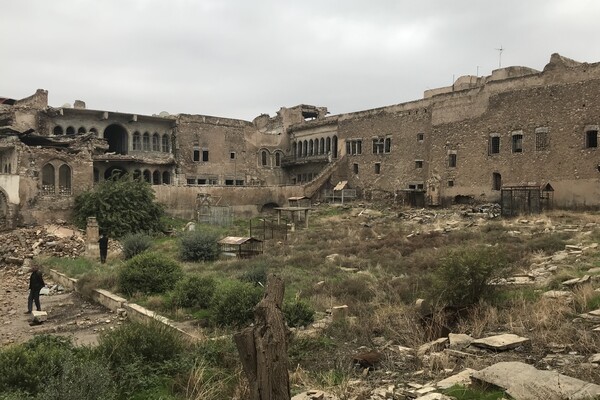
[36, 283]
[103, 243]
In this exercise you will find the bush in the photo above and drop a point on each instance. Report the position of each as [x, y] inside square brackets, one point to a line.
[200, 245]
[148, 343]
[27, 367]
[121, 206]
[234, 302]
[81, 379]
[465, 274]
[256, 276]
[149, 273]
[134, 244]
[298, 313]
[194, 291]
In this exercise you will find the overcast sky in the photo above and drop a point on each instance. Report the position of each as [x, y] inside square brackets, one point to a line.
[242, 58]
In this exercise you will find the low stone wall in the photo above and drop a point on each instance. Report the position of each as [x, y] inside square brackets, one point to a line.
[113, 302]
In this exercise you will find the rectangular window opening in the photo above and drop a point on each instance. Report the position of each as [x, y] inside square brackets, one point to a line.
[450, 183]
[204, 155]
[452, 160]
[494, 145]
[418, 164]
[517, 143]
[591, 139]
[378, 168]
[355, 168]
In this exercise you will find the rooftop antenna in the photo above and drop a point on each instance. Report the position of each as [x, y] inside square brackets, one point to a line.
[500, 50]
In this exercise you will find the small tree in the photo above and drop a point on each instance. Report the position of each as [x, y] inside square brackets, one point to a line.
[149, 273]
[200, 245]
[121, 206]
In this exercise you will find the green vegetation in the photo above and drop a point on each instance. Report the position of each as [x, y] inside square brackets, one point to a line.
[199, 245]
[121, 206]
[134, 244]
[467, 393]
[149, 273]
[376, 263]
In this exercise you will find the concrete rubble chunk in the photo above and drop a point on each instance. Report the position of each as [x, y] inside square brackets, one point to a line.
[459, 341]
[436, 345]
[577, 281]
[39, 316]
[434, 396]
[501, 342]
[558, 294]
[462, 378]
[524, 382]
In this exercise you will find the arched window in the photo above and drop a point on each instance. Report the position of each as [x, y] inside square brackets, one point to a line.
[58, 130]
[277, 159]
[299, 149]
[155, 142]
[165, 143]
[94, 131]
[81, 129]
[137, 141]
[166, 178]
[137, 174]
[146, 141]
[64, 180]
[156, 178]
[311, 147]
[147, 176]
[327, 145]
[70, 130]
[294, 148]
[334, 146]
[263, 158]
[48, 179]
[322, 146]
[305, 149]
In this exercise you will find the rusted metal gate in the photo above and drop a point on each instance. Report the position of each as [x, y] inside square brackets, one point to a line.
[526, 199]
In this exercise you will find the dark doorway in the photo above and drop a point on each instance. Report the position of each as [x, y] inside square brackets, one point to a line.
[117, 139]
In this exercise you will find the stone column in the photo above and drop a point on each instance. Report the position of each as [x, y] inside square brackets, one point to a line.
[92, 249]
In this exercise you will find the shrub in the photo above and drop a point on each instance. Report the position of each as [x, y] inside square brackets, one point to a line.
[134, 244]
[234, 301]
[121, 206]
[465, 274]
[27, 367]
[81, 379]
[149, 273]
[148, 343]
[256, 276]
[298, 313]
[194, 291]
[199, 245]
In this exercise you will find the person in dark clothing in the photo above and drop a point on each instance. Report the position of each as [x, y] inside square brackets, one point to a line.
[103, 243]
[36, 283]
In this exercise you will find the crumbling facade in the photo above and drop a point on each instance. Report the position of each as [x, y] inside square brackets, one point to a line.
[517, 126]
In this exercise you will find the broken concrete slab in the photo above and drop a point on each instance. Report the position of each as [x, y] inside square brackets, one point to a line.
[577, 281]
[558, 294]
[524, 382]
[463, 378]
[459, 341]
[501, 342]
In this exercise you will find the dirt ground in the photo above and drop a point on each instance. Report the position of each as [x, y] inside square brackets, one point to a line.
[68, 313]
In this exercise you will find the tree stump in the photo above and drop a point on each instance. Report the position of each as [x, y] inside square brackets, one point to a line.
[263, 347]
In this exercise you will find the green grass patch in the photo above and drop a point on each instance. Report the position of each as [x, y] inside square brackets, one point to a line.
[72, 267]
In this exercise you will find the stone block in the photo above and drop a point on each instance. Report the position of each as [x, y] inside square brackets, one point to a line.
[39, 316]
[339, 313]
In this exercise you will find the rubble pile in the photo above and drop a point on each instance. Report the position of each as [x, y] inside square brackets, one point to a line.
[50, 240]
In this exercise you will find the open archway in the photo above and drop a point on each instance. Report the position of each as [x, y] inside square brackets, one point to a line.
[117, 138]
[114, 172]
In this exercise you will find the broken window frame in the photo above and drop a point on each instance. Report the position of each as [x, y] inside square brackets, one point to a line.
[136, 142]
[155, 142]
[165, 143]
[354, 147]
[146, 141]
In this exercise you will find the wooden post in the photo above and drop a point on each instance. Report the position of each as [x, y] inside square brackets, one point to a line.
[263, 347]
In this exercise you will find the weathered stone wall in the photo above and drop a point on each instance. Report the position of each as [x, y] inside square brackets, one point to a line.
[180, 201]
[563, 110]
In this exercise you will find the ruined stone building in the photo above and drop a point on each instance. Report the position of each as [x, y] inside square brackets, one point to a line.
[518, 126]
